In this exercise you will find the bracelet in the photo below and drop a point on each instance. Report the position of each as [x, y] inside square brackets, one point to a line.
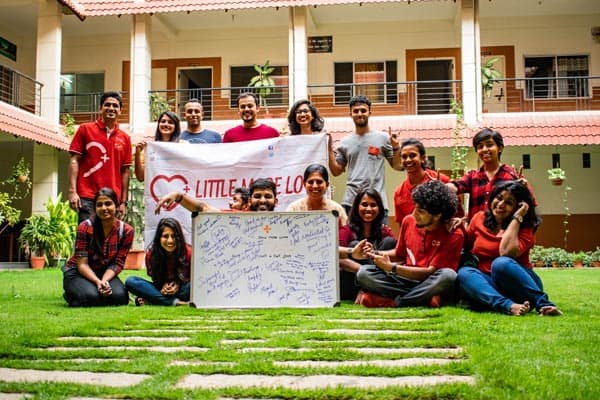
[518, 218]
[179, 198]
[349, 252]
[394, 269]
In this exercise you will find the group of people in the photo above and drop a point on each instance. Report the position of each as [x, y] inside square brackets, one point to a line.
[435, 260]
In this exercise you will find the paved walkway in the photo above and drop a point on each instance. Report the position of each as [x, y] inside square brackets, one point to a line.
[354, 342]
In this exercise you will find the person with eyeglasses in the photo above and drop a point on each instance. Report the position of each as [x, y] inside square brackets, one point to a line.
[304, 119]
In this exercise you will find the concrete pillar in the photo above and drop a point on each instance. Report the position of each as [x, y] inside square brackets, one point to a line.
[298, 54]
[471, 61]
[48, 68]
[141, 73]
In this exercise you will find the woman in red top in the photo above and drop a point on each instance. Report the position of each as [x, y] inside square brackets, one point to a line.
[101, 247]
[168, 261]
[501, 238]
[414, 162]
[366, 221]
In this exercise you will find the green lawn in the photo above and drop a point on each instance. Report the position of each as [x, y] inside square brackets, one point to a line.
[527, 357]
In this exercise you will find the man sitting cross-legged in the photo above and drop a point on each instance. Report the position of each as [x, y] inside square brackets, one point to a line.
[263, 197]
[428, 253]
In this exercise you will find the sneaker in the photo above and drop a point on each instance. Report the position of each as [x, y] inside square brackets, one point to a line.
[373, 300]
[436, 301]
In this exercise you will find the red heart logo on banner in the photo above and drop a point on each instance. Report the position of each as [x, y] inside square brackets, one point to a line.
[163, 183]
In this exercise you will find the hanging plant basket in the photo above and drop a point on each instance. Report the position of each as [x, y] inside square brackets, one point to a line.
[557, 181]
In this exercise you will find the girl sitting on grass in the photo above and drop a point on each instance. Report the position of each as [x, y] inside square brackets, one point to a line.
[90, 277]
[501, 238]
[168, 261]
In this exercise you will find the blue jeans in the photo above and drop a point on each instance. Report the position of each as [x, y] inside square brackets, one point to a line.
[146, 290]
[407, 292]
[508, 283]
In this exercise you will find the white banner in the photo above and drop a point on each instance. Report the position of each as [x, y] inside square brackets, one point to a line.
[211, 172]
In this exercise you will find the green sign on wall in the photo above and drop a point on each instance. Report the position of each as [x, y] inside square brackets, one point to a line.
[8, 49]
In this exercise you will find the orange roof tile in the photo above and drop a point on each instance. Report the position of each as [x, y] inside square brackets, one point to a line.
[85, 8]
[22, 123]
[522, 129]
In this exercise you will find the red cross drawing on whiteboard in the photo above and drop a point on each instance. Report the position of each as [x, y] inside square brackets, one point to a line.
[267, 228]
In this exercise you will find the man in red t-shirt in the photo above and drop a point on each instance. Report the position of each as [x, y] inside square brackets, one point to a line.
[250, 129]
[427, 252]
[100, 157]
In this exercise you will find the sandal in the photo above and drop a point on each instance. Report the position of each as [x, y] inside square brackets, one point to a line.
[139, 301]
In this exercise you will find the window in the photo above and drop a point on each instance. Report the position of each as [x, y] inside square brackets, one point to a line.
[240, 76]
[367, 79]
[80, 93]
[562, 73]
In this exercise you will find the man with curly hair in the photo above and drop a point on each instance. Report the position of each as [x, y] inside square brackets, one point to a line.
[421, 270]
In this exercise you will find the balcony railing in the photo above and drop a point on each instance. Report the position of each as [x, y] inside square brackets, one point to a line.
[220, 103]
[19, 90]
[389, 98]
[570, 93]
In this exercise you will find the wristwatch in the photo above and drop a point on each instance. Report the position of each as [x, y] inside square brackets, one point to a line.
[518, 218]
[394, 269]
[349, 252]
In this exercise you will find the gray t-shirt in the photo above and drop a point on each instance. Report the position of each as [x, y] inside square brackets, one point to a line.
[204, 136]
[364, 155]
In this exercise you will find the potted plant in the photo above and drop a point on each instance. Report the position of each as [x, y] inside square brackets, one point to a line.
[135, 218]
[557, 176]
[578, 257]
[21, 186]
[595, 257]
[263, 83]
[64, 219]
[489, 74]
[36, 238]
[536, 256]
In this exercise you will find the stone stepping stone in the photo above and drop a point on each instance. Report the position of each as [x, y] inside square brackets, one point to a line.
[369, 331]
[203, 363]
[242, 341]
[376, 320]
[15, 396]
[404, 362]
[114, 379]
[220, 381]
[404, 350]
[362, 350]
[184, 331]
[125, 338]
[157, 349]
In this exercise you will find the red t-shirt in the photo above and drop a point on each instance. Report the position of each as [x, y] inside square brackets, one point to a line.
[102, 158]
[241, 134]
[346, 234]
[421, 248]
[486, 244]
[403, 203]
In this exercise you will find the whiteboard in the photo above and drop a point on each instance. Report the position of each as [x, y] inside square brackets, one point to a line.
[265, 259]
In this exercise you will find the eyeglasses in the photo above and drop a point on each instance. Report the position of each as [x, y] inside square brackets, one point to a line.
[303, 111]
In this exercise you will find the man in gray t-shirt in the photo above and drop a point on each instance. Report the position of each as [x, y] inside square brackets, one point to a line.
[364, 153]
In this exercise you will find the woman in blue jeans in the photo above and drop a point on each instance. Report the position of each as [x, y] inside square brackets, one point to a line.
[168, 261]
[501, 238]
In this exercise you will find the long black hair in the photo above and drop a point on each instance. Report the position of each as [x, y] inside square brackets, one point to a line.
[521, 193]
[317, 123]
[356, 223]
[158, 260]
[176, 132]
[98, 241]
